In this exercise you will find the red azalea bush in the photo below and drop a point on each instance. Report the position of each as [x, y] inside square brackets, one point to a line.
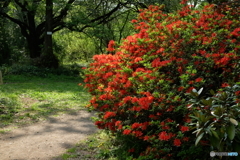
[140, 90]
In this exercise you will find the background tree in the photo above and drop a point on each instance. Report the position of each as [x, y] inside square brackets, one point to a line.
[116, 26]
[29, 15]
[101, 20]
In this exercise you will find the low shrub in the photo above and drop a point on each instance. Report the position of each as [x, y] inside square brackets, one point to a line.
[30, 70]
[140, 90]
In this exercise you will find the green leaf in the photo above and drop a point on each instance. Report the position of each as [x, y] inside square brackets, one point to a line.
[200, 91]
[223, 96]
[214, 141]
[193, 93]
[199, 138]
[208, 130]
[230, 131]
[207, 102]
[233, 121]
[214, 133]
[198, 131]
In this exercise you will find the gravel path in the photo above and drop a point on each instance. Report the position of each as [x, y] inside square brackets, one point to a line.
[46, 139]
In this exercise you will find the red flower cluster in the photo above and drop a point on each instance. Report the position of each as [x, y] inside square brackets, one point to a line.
[177, 142]
[165, 136]
[109, 114]
[111, 46]
[184, 128]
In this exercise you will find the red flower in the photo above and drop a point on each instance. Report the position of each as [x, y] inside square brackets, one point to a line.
[180, 89]
[134, 21]
[135, 125]
[156, 62]
[135, 108]
[164, 136]
[169, 120]
[184, 128]
[118, 124]
[166, 127]
[190, 89]
[140, 70]
[183, 2]
[180, 69]
[190, 82]
[109, 114]
[134, 99]
[144, 125]
[198, 79]
[152, 116]
[126, 99]
[137, 133]
[146, 138]
[225, 85]
[126, 131]
[177, 142]
[237, 93]
[223, 61]
[144, 102]
[128, 84]
[99, 124]
[111, 46]
[236, 32]
[137, 59]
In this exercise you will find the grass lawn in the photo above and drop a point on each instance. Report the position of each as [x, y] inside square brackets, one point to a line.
[25, 99]
[98, 146]
[28, 99]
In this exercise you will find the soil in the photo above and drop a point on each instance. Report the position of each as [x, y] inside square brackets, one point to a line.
[46, 139]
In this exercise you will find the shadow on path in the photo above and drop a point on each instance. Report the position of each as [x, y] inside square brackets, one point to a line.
[46, 139]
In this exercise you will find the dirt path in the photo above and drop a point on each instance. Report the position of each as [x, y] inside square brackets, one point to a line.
[47, 139]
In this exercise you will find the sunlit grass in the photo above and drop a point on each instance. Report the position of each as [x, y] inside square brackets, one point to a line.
[28, 99]
[98, 146]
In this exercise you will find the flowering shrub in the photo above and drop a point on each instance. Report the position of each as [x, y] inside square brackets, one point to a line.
[140, 90]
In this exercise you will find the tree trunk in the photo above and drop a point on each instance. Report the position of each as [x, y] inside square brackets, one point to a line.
[48, 59]
[1, 79]
[35, 44]
[48, 29]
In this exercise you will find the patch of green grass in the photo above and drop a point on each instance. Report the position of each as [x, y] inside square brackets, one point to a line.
[98, 146]
[67, 156]
[25, 99]
[72, 150]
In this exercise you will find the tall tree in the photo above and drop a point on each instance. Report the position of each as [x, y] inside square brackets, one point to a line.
[48, 59]
[29, 16]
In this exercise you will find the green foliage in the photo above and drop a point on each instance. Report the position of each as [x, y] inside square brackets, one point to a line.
[30, 70]
[11, 43]
[216, 118]
[73, 47]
